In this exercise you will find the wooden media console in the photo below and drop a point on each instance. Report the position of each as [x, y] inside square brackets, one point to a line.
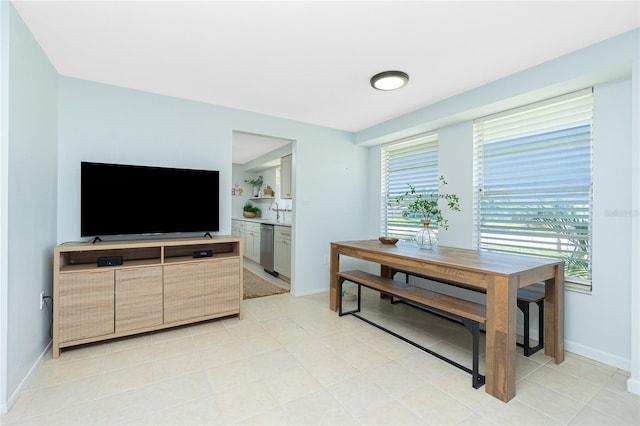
[160, 284]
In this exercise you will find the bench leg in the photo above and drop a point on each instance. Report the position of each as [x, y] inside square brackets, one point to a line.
[359, 305]
[524, 307]
[540, 325]
[392, 299]
[477, 379]
[406, 280]
[340, 282]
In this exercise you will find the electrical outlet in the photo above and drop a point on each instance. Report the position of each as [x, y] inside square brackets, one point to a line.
[41, 300]
[325, 259]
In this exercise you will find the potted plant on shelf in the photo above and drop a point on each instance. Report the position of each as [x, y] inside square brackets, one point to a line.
[269, 192]
[249, 210]
[424, 205]
[256, 184]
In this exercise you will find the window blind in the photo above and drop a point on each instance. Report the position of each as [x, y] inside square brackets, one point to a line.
[533, 182]
[412, 161]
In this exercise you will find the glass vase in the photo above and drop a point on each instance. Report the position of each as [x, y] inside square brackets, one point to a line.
[426, 238]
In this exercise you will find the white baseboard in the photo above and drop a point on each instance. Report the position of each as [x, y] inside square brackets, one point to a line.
[14, 396]
[309, 292]
[633, 386]
[598, 355]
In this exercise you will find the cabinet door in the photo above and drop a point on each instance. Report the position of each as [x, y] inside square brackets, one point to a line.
[285, 177]
[85, 305]
[252, 242]
[282, 248]
[199, 289]
[244, 235]
[138, 298]
[247, 244]
[256, 247]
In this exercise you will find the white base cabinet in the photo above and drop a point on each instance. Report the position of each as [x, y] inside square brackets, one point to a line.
[250, 234]
[282, 250]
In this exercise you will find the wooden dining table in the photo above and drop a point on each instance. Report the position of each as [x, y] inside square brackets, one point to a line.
[499, 275]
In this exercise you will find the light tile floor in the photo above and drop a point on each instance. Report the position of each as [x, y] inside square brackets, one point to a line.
[291, 361]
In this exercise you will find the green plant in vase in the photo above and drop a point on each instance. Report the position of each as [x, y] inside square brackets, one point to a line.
[249, 210]
[256, 184]
[425, 206]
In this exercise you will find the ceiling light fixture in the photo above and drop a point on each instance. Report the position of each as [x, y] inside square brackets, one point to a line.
[389, 80]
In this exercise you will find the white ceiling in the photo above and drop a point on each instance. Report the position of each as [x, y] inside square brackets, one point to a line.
[247, 146]
[312, 61]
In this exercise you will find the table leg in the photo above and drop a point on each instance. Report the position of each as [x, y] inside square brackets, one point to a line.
[501, 338]
[385, 271]
[554, 315]
[334, 268]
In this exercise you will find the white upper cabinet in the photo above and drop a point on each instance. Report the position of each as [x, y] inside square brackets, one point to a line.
[285, 177]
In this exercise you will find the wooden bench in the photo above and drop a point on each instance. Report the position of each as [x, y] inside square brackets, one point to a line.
[469, 313]
[524, 299]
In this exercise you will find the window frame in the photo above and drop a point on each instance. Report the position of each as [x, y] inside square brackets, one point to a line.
[540, 123]
[416, 161]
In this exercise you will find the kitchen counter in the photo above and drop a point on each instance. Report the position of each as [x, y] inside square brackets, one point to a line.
[261, 220]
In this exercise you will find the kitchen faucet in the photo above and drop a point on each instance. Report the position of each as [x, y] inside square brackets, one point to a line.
[277, 210]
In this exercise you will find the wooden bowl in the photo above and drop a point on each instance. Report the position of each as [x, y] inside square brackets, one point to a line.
[249, 214]
[387, 240]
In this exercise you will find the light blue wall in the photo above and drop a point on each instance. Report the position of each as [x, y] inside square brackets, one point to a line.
[633, 384]
[4, 198]
[587, 333]
[31, 178]
[110, 124]
[597, 325]
[104, 123]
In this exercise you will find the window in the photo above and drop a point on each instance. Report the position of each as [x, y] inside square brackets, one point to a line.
[412, 161]
[533, 182]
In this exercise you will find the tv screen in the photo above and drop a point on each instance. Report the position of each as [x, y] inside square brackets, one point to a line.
[118, 199]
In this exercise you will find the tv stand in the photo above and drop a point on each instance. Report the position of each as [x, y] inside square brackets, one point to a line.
[208, 234]
[96, 240]
[159, 285]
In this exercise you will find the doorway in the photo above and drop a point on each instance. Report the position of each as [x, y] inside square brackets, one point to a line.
[264, 161]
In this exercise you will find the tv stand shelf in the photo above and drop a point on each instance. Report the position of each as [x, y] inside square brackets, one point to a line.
[160, 284]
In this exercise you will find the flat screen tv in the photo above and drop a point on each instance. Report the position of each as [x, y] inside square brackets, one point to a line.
[119, 199]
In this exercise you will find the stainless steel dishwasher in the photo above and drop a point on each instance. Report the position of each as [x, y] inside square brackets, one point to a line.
[266, 248]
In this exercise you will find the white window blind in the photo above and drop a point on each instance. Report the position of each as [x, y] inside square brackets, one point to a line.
[533, 182]
[409, 162]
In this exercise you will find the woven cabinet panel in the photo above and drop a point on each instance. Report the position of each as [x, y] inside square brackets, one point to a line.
[85, 305]
[199, 289]
[138, 298]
